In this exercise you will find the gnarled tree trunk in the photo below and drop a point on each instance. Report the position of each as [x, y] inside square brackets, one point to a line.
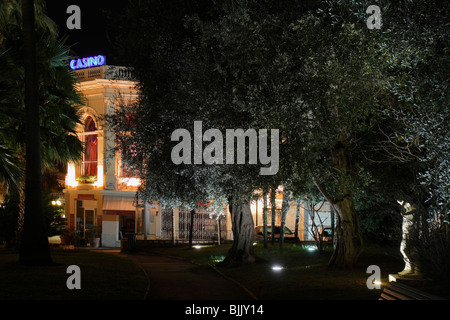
[348, 235]
[243, 229]
[348, 230]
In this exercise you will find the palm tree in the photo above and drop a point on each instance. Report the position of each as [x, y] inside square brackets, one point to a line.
[34, 247]
[42, 135]
[57, 94]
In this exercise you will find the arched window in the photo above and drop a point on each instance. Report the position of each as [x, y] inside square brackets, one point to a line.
[91, 154]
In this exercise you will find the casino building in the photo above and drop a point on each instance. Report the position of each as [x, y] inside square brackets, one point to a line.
[99, 191]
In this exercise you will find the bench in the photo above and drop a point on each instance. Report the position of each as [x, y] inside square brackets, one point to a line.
[400, 291]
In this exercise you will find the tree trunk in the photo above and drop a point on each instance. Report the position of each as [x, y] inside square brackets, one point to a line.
[348, 235]
[34, 246]
[273, 207]
[297, 221]
[191, 227]
[219, 233]
[265, 219]
[284, 210]
[314, 228]
[333, 227]
[241, 252]
[348, 230]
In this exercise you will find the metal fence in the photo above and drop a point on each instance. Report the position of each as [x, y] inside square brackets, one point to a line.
[204, 228]
[167, 224]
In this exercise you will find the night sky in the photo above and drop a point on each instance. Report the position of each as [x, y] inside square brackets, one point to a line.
[92, 39]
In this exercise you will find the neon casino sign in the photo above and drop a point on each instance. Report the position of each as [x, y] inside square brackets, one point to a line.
[88, 62]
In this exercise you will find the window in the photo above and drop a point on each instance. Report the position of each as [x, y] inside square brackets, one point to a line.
[90, 158]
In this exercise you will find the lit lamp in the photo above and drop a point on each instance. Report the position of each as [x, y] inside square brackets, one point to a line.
[56, 203]
[61, 210]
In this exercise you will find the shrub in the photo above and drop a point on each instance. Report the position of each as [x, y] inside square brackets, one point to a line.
[68, 237]
[434, 254]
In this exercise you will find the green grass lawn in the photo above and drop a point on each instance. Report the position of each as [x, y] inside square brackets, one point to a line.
[104, 276]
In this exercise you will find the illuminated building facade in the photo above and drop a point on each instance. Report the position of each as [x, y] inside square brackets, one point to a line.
[100, 192]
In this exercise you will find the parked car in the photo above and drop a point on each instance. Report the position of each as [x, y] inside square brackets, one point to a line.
[54, 240]
[327, 234]
[288, 234]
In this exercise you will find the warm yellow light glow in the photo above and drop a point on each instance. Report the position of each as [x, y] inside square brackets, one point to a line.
[257, 206]
[253, 207]
[132, 182]
[58, 202]
[70, 178]
[99, 182]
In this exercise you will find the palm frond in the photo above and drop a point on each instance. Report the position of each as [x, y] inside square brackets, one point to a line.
[10, 171]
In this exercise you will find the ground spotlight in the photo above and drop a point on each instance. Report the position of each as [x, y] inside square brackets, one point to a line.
[277, 268]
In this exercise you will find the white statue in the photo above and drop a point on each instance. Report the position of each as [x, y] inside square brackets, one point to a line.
[411, 269]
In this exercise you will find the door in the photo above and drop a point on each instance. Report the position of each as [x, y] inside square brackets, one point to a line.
[79, 221]
[86, 217]
[89, 218]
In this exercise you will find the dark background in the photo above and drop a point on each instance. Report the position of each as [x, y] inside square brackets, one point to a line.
[92, 38]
